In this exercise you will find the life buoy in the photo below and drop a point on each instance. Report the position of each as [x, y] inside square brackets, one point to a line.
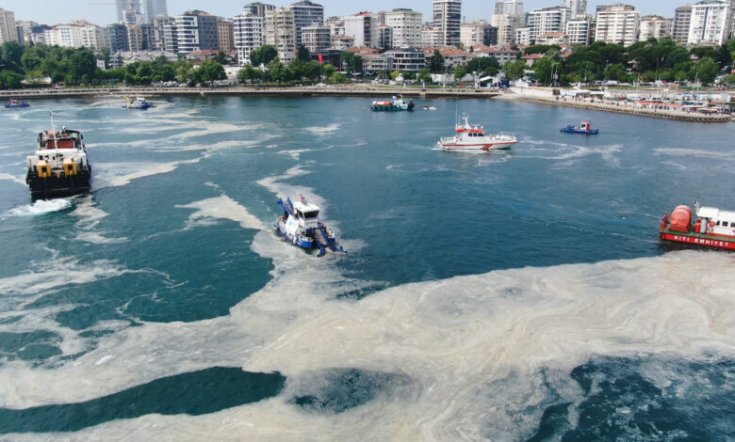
[711, 223]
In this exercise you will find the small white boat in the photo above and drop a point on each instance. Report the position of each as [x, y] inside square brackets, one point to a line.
[473, 137]
[300, 224]
[136, 103]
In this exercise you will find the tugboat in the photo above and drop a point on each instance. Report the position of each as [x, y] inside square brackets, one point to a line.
[16, 104]
[59, 166]
[301, 225]
[584, 128]
[470, 137]
[136, 103]
[393, 105]
[713, 228]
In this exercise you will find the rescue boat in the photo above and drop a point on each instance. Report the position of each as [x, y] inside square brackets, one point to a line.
[60, 166]
[706, 227]
[473, 137]
[301, 225]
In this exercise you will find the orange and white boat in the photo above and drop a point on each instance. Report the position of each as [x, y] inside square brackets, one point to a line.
[473, 137]
[706, 227]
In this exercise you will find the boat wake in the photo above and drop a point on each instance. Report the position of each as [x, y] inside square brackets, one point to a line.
[40, 207]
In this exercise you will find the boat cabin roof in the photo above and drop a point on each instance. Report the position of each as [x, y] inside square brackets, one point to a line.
[59, 139]
[305, 207]
[715, 213]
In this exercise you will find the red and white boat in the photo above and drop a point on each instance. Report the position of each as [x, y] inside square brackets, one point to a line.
[708, 227]
[474, 137]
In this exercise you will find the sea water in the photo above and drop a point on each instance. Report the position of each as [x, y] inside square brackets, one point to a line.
[511, 295]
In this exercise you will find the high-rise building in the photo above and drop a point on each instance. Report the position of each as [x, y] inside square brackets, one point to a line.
[8, 31]
[120, 6]
[117, 36]
[406, 25]
[306, 13]
[507, 16]
[225, 35]
[447, 18]
[576, 8]
[546, 20]
[654, 26]
[474, 33]
[196, 31]
[248, 34]
[682, 20]
[431, 38]
[579, 31]
[316, 38]
[385, 35]
[363, 28]
[617, 24]
[710, 23]
[280, 32]
[153, 9]
[258, 9]
[79, 34]
[158, 41]
[128, 12]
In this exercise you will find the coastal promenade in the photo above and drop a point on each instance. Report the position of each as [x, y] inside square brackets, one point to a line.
[532, 95]
[545, 96]
[360, 90]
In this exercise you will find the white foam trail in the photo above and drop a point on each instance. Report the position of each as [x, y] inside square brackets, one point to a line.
[40, 207]
[222, 207]
[89, 218]
[323, 130]
[693, 153]
[13, 178]
[121, 174]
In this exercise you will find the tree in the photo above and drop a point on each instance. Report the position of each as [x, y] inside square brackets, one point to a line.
[247, 73]
[544, 70]
[514, 69]
[328, 70]
[424, 76]
[338, 78]
[12, 54]
[263, 55]
[488, 65]
[707, 70]
[302, 53]
[436, 62]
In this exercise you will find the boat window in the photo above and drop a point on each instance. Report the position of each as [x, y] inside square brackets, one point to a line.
[717, 223]
[725, 224]
[311, 215]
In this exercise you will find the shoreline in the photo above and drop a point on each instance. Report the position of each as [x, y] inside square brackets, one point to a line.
[532, 96]
[619, 108]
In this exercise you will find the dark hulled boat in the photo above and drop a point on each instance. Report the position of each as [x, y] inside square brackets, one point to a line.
[60, 166]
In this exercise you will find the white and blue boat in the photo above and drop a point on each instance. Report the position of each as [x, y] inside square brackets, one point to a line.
[137, 103]
[300, 224]
[584, 128]
[16, 104]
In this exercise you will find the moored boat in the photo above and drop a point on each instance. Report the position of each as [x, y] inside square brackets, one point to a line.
[16, 104]
[60, 166]
[136, 103]
[393, 105]
[706, 227]
[473, 137]
[584, 128]
[301, 225]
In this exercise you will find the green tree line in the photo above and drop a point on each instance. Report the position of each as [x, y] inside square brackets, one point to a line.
[79, 67]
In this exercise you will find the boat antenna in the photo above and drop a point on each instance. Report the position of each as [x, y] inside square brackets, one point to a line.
[53, 125]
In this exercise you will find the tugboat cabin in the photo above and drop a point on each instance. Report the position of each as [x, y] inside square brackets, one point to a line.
[63, 139]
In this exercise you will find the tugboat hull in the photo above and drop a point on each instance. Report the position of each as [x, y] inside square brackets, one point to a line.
[59, 186]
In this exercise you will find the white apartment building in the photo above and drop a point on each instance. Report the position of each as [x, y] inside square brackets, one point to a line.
[473, 33]
[406, 25]
[617, 24]
[682, 20]
[506, 25]
[447, 18]
[316, 38]
[579, 31]
[306, 13]
[8, 31]
[710, 23]
[363, 28]
[432, 38]
[196, 31]
[248, 35]
[522, 36]
[654, 26]
[546, 21]
[280, 32]
[577, 8]
[79, 34]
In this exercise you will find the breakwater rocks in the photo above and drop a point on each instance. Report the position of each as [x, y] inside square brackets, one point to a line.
[667, 114]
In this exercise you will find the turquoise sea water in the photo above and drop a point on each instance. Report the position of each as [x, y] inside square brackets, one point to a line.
[510, 295]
